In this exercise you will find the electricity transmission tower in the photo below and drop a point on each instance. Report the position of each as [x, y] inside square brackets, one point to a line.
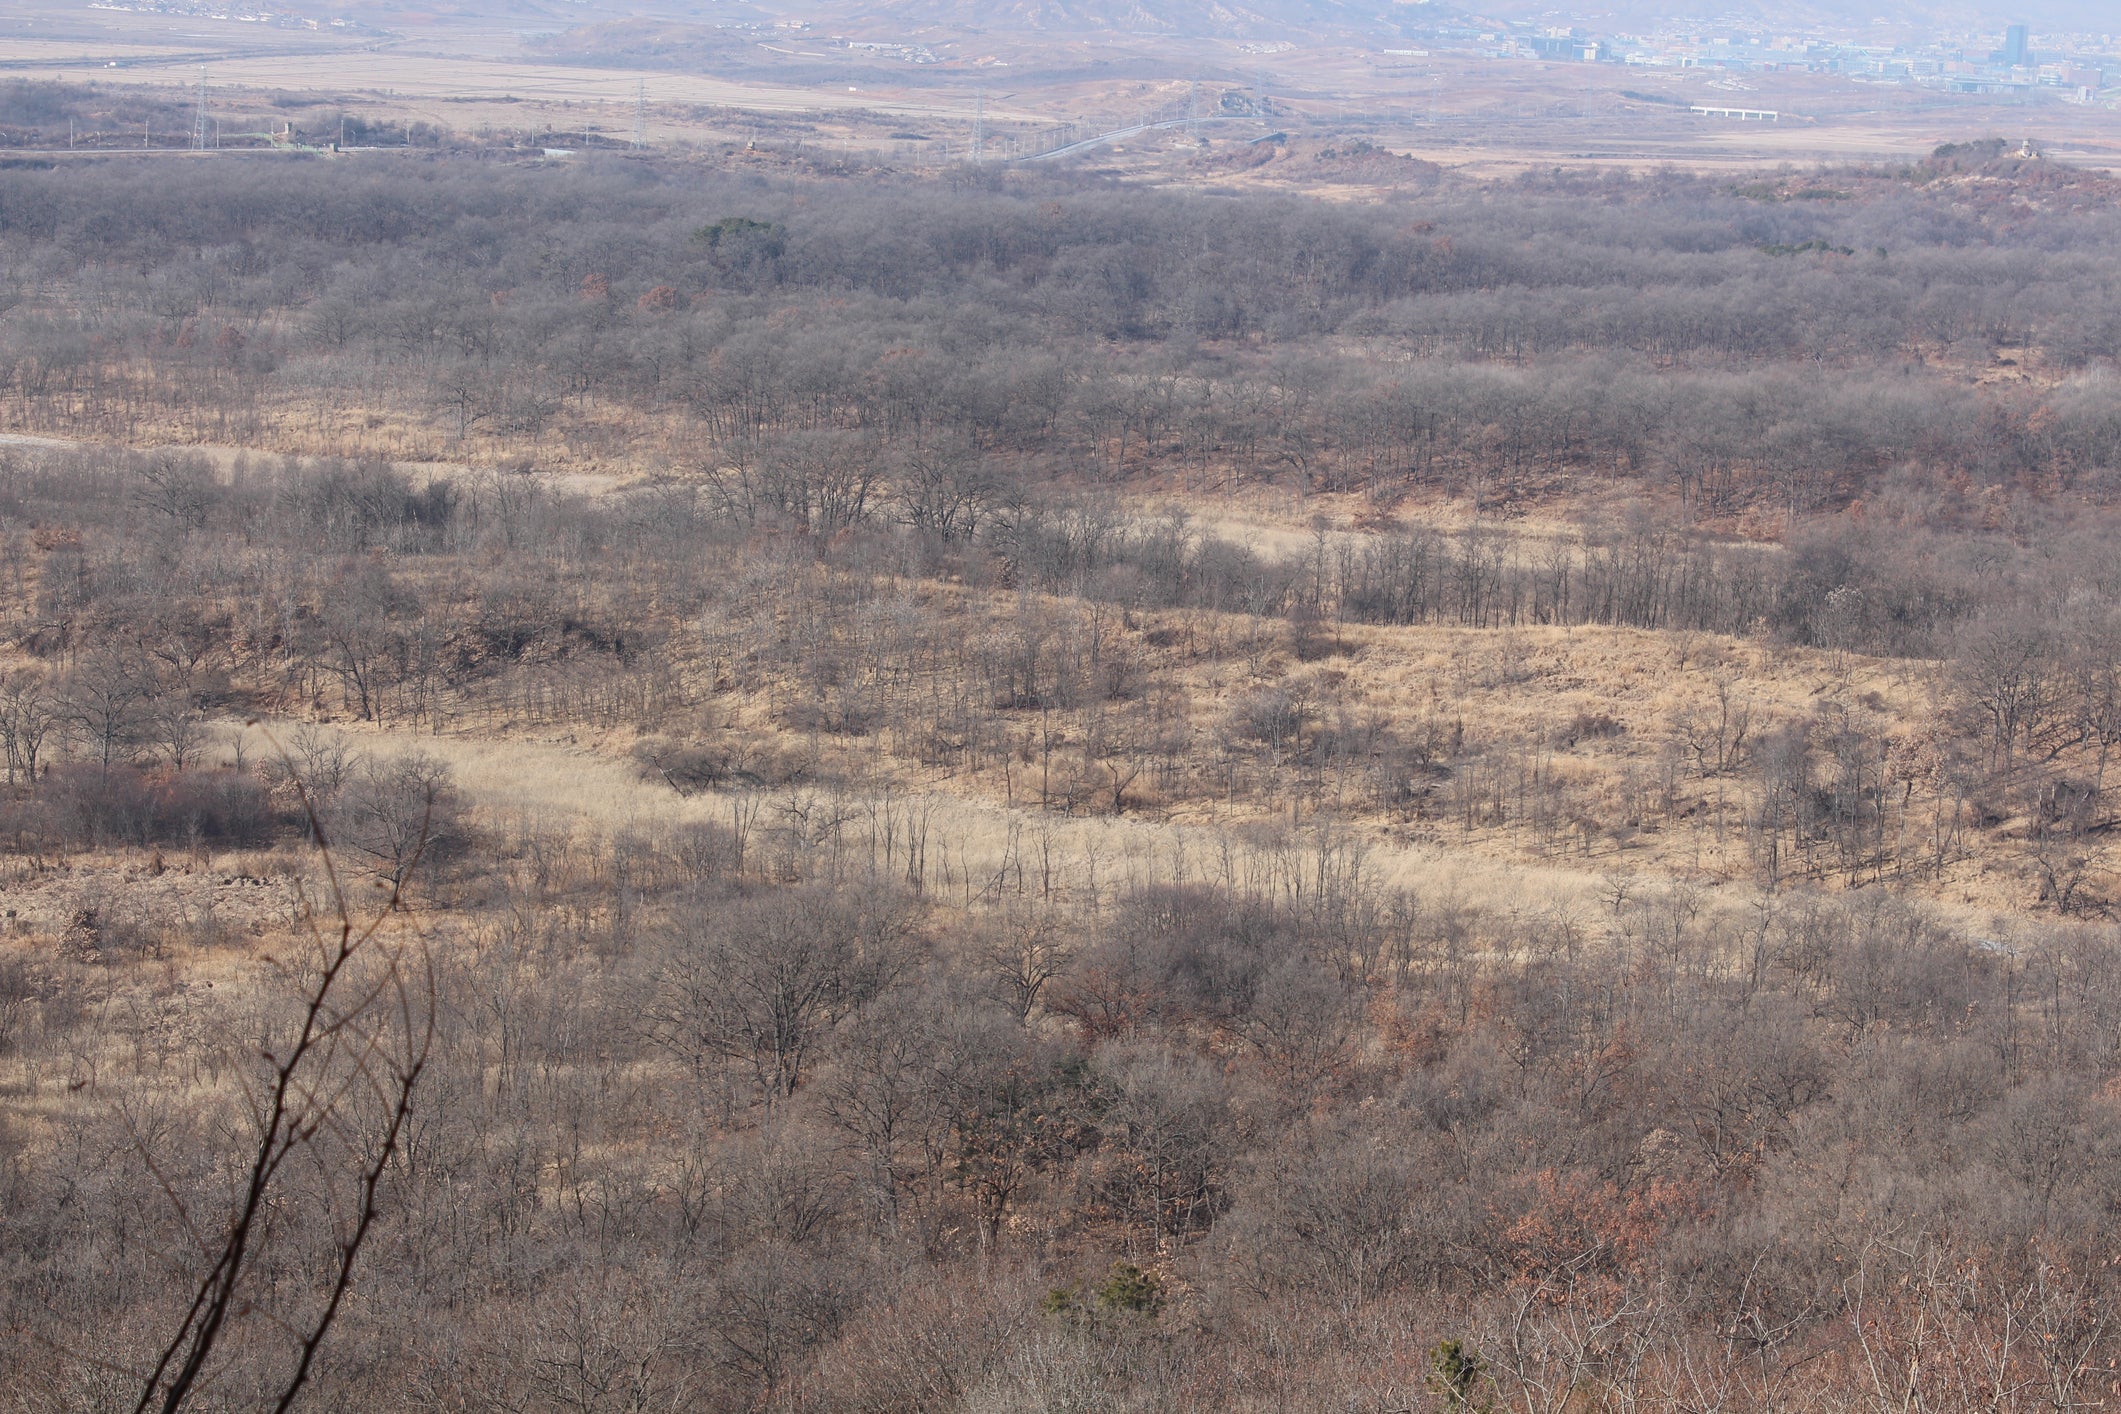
[640, 113]
[1193, 109]
[198, 122]
[979, 125]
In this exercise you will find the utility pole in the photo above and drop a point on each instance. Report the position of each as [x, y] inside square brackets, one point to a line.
[198, 122]
[640, 113]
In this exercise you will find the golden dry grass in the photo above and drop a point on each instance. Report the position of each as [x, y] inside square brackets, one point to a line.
[1505, 691]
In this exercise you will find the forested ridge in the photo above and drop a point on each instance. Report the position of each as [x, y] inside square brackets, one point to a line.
[1004, 792]
[1568, 324]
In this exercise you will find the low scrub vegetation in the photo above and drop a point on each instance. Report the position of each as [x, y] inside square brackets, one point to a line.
[1002, 793]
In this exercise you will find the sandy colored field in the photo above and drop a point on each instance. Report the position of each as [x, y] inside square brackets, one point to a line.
[976, 848]
[1505, 692]
[1502, 689]
[585, 483]
[405, 79]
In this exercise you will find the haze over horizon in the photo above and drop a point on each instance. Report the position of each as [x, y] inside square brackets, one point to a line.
[1205, 18]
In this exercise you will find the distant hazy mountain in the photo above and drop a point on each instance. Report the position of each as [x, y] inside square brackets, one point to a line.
[1299, 20]
[1178, 18]
[1849, 15]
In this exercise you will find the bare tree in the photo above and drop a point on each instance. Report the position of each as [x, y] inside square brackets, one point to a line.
[395, 813]
[180, 487]
[107, 697]
[359, 636]
[336, 1091]
[29, 712]
[1029, 951]
[2003, 673]
[762, 985]
[944, 490]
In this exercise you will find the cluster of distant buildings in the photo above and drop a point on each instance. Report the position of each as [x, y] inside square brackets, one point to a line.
[197, 10]
[2015, 66]
[905, 53]
[2081, 66]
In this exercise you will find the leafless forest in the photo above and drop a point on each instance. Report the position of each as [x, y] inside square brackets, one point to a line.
[767, 784]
